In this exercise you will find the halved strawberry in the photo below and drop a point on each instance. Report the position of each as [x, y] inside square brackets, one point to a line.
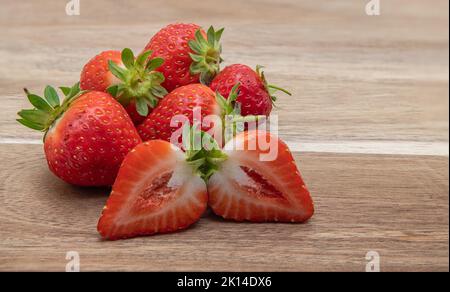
[250, 185]
[156, 191]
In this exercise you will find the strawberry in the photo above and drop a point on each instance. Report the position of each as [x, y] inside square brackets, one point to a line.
[256, 96]
[181, 101]
[190, 55]
[96, 75]
[86, 137]
[156, 191]
[245, 186]
[193, 103]
[130, 80]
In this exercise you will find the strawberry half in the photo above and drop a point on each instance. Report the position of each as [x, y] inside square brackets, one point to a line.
[132, 80]
[244, 187]
[190, 54]
[86, 137]
[256, 96]
[156, 191]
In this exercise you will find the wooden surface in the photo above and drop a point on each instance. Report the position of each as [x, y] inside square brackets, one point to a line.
[360, 83]
[397, 206]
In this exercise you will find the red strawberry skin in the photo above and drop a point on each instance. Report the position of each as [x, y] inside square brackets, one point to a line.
[181, 101]
[156, 191]
[253, 96]
[247, 188]
[134, 115]
[171, 44]
[87, 144]
[96, 75]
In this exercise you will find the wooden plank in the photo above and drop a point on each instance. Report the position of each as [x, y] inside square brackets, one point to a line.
[354, 77]
[395, 205]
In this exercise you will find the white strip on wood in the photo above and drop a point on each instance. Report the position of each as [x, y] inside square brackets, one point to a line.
[373, 147]
[351, 147]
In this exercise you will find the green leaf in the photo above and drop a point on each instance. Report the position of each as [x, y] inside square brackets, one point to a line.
[159, 91]
[113, 90]
[128, 58]
[219, 34]
[142, 107]
[200, 39]
[195, 46]
[74, 90]
[221, 100]
[211, 36]
[151, 101]
[65, 90]
[35, 116]
[116, 70]
[197, 58]
[157, 77]
[196, 68]
[154, 64]
[234, 93]
[39, 103]
[143, 57]
[51, 96]
[31, 125]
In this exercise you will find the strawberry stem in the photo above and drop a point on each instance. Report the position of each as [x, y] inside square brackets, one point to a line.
[270, 88]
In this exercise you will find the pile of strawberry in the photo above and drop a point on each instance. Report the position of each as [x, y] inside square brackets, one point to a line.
[113, 128]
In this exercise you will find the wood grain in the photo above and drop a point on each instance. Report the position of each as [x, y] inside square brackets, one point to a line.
[397, 206]
[354, 77]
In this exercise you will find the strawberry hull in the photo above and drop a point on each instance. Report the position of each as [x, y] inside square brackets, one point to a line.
[132, 80]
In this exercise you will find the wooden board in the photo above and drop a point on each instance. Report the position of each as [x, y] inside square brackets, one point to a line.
[397, 206]
[361, 84]
[354, 77]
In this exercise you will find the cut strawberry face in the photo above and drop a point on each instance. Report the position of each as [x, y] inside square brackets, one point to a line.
[156, 191]
[247, 187]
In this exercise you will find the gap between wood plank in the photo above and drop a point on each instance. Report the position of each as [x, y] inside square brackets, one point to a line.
[350, 147]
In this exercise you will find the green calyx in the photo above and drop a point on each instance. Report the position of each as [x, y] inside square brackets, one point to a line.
[47, 109]
[271, 89]
[203, 153]
[232, 120]
[139, 80]
[206, 55]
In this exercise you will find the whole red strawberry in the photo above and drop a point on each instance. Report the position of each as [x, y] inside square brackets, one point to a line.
[86, 137]
[132, 81]
[255, 95]
[190, 55]
[182, 101]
